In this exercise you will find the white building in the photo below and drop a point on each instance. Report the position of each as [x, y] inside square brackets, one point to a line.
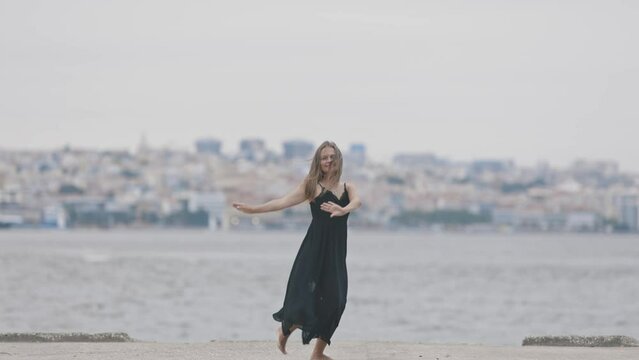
[214, 203]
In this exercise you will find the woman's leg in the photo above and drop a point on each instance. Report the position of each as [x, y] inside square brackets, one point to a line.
[281, 338]
[318, 351]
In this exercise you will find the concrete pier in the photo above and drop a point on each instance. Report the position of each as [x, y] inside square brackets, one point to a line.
[267, 350]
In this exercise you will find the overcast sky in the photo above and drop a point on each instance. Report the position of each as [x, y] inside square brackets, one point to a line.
[525, 80]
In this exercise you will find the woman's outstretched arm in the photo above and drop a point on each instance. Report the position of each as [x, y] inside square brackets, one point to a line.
[293, 198]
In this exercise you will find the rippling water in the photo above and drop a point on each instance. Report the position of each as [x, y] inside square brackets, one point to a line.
[197, 286]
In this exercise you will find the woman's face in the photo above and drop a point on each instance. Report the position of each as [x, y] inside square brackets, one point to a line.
[327, 160]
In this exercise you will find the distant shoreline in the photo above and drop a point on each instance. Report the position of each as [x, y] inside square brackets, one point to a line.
[300, 230]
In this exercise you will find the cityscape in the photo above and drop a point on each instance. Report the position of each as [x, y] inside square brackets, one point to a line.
[70, 188]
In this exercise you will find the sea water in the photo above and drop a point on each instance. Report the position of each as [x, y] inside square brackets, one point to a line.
[187, 285]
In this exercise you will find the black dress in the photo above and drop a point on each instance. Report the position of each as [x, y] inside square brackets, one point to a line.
[316, 291]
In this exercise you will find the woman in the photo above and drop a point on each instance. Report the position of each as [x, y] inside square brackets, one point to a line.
[317, 286]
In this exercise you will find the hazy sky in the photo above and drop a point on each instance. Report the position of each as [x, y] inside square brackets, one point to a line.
[526, 80]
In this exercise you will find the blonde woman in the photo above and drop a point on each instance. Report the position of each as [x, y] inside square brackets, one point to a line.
[316, 291]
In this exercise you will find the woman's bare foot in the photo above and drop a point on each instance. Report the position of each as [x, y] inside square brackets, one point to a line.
[281, 340]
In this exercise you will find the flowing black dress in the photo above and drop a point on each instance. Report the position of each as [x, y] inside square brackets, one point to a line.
[316, 291]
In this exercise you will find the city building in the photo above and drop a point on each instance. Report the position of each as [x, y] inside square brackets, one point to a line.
[214, 203]
[253, 150]
[628, 212]
[208, 146]
[356, 155]
[417, 160]
[295, 149]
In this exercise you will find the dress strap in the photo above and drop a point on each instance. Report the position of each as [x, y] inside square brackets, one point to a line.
[318, 183]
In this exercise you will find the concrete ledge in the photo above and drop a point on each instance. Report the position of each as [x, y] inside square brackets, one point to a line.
[339, 350]
[584, 341]
[65, 337]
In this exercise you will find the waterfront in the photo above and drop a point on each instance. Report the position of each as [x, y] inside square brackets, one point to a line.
[179, 285]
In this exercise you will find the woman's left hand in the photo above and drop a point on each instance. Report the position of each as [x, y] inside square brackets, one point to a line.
[333, 208]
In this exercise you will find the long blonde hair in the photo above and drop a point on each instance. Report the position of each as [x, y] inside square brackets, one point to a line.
[315, 173]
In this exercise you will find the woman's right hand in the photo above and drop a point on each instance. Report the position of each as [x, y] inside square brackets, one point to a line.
[248, 209]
